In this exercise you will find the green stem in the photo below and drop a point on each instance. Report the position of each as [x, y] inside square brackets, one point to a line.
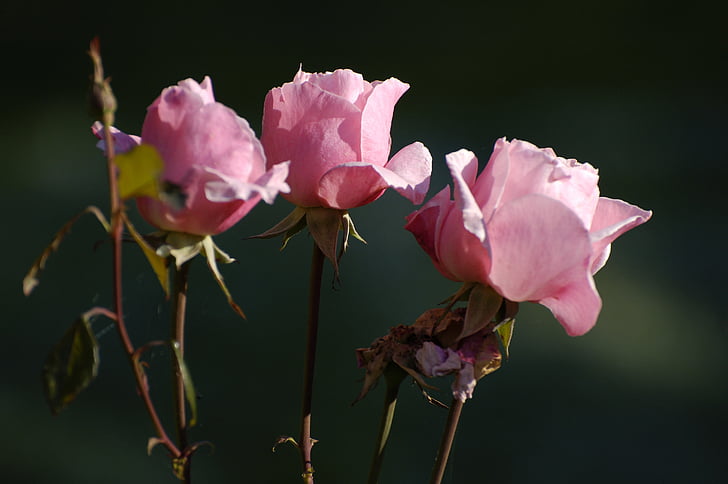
[448, 436]
[179, 306]
[393, 377]
[314, 301]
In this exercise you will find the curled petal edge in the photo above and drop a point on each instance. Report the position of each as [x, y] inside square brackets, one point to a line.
[223, 188]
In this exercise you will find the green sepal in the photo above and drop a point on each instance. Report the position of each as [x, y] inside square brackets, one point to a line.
[292, 224]
[31, 278]
[139, 172]
[212, 254]
[159, 264]
[71, 365]
[181, 247]
[483, 305]
[190, 393]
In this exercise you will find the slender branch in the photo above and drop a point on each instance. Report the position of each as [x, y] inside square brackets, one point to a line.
[107, 104]
[314, 300]
[393, 377]
[448, 436]
[179, 306]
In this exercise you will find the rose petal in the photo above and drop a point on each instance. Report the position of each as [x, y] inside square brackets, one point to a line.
[612, 219]
[376, 121]
[538, 170]
[541, 252]
[224, 188]
[350, 185]
[464, 167]
[122, 142]
[425, 224]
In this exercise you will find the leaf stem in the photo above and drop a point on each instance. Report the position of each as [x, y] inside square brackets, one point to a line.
[393, 377]
[179, 306]
[314, 302]
[448, 436]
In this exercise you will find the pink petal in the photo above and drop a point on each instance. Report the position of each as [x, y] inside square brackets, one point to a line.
[464, 167]
[425, 225]
[354, 184]
[344, 83]
[413, 164]
[612, 219]
[489, 186]
[122, 142]
[541, 252]
[376, 120]
[538, 170]
[223, 188]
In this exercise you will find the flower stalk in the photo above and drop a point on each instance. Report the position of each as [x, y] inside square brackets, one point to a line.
[314, 302]
[448, 436]
[179, 306]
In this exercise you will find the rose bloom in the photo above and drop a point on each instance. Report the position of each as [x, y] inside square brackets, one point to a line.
[334, 129]
[532, 226]
[210, 153]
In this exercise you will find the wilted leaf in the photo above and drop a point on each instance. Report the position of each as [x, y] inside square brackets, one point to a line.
[31, 279]
[187, 380]
[139, 171]
[151, 443]
[158, 263]
[71, 365]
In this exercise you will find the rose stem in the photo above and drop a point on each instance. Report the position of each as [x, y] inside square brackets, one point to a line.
[393, 377]
[314, 297]
[116, 232]
[179, 306]
[448, 436]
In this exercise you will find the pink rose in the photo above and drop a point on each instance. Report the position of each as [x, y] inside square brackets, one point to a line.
[210, 153]
[334, 129]
[532, 226]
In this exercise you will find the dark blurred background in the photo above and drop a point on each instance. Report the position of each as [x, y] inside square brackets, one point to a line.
[636, 88]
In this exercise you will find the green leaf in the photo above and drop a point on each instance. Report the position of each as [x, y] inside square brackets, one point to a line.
[139, 172]
[212, 253]
[71, 365]
[158, 263]
[30, 281]
[505, 333]
[187, 380]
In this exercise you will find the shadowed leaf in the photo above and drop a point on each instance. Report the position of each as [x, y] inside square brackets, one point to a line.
[31, 278]
[71, 365]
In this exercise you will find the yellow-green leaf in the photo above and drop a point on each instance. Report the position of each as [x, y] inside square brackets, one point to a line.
[505, 334]
[139, 171]
[158, 263]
